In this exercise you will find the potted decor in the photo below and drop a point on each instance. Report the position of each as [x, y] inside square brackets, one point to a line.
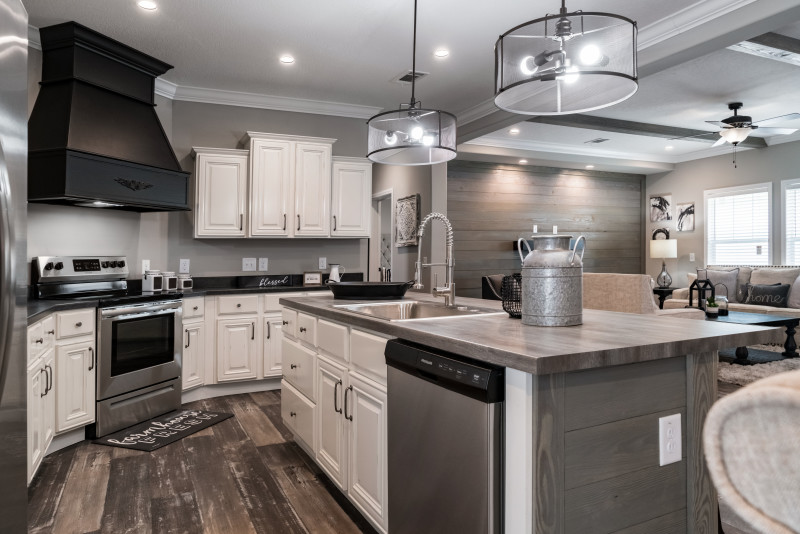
[712, 308]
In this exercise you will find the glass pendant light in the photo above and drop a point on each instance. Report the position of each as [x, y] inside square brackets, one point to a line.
[412, 135]
[566, 63]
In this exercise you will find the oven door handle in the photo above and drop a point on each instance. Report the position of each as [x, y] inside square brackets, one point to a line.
[134, 311]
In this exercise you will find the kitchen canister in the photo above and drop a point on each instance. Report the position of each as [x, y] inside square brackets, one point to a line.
[170, 280]
[552, 281]
[185, 281]
[152, 280]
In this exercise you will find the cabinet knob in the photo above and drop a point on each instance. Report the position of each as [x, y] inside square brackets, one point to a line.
[50, 332]
[40, 340]
[292, 414]
[285, 323]
[303, 329]
[293, 366]
[195, 308]
[78, 324]
[238, 305]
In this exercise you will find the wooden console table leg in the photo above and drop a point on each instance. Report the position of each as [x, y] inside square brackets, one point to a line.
[790, 345]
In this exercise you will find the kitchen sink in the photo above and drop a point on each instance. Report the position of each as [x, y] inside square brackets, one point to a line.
[412, 310]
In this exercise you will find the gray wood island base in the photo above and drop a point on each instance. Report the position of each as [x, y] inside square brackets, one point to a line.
[582, 411]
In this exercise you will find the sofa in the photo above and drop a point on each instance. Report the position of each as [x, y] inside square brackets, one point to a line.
[629, 293]
[749, 274]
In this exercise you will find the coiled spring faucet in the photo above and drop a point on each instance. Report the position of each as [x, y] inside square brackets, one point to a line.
[449, 289]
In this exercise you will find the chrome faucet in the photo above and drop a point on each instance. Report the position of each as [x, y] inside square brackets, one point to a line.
[449, 289]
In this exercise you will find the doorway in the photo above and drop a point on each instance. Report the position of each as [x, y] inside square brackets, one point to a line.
[381, 243]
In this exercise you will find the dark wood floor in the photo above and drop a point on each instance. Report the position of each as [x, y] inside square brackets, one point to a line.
[243, 475]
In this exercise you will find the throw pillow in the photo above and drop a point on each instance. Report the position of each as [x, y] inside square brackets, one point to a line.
[741, 280]
[775, 295]
[794, 294]
[724, 282]
[773, 275]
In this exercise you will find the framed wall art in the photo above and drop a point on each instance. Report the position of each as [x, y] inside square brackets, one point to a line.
[406, 220]
[660, 208]
[685, 220]
[661, 233]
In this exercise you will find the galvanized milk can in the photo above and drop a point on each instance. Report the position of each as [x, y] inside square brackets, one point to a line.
[552, 281]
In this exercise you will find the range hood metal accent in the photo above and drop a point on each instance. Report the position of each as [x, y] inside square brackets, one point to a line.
[94, 136]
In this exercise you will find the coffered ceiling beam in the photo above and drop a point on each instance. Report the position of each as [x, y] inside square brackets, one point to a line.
[776, 40]
[590, 122]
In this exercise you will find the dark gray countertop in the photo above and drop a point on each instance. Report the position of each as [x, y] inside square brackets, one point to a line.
[604, 339]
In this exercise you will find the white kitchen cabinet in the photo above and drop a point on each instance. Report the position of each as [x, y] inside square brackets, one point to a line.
[332, 439]
[237, 349]
[312, 190]
[273, 336]
[75, 385]
[351, 197]
[297, 413]
[194, 354]
[221, 192]
[40, 411]
[271, 195]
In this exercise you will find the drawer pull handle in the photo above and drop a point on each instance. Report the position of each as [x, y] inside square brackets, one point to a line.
[293, 366]
[284, 221]
[336, 397]
[195, 308]
[348, 417]
[334, 223]
[50, 332]
[292, 414]
[253, 335]
[78, 324]
[241, 222]
[298, 222]
[40, 340]
[50, 378]
[91, 354]
[285, 323]
[44, 391]
[303, 329]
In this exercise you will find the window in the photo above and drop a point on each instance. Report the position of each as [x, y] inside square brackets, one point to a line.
[790, 192]
[739, 225]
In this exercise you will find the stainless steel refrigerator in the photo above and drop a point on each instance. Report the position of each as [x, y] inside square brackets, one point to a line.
[13, 253]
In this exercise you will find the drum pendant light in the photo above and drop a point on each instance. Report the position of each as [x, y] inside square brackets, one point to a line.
[412, 135]
[566, 63]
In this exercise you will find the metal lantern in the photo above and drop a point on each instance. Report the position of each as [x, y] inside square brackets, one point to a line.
[705, 290]
[722, 300]
[566, 63]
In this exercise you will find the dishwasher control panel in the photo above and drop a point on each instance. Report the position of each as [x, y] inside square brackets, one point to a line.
[453, 370]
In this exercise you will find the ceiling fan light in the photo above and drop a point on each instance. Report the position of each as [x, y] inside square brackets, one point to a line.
[735, 135]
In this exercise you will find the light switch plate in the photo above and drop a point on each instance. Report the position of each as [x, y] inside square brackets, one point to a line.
[263, 264]
[248, 264]
[145, 265]
[669, 439]
[183, 266]
[691, 256]
[323, 263]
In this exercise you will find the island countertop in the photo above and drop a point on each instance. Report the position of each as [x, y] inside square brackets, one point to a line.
[604, 339]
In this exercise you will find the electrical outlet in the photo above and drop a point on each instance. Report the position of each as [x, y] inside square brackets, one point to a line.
[323, 263]
[183, 266]
[691, 256]
[669, 439]
[248, 264]
[263, 264]
[145, 265]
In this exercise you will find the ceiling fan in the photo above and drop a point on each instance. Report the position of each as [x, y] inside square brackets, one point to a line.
[736, 128]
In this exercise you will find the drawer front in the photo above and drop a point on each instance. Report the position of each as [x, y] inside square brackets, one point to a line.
[307, 329]
[49, 331]
[366, 354]
[289, 322]
[271, 301]
[194, 307]
[75, 323]
[298, 367]
[333, 339]
[36, 342]
[234, 304]
[298, 414]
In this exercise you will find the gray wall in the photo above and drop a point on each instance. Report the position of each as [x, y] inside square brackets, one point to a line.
[491, 205]
[690, 179]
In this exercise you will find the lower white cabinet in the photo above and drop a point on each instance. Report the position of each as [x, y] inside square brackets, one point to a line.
[273, 336]
[75, 376]
[236, 349]
[298, 414]
[332, 439]
[194, 354]
[41, 410]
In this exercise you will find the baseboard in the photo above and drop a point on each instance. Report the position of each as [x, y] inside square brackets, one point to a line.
[231, 388]
[62, 441]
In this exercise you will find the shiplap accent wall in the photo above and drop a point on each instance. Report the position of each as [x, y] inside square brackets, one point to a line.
[491, 205]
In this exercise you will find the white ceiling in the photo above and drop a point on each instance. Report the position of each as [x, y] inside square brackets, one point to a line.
[349, 51]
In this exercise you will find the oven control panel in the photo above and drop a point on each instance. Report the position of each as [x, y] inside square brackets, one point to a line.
[47, 269]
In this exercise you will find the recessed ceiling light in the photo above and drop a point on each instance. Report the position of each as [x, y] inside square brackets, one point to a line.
[286, 59]
[147, 4]
[668, 147]
[523, 161]
[441, 53]
[514, 131]
[590, 166]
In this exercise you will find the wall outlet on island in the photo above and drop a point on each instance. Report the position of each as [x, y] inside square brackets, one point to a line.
[669, 439]
[323, 263]
[263, 264]
[183, 266]
[248, 264]
[145, 265]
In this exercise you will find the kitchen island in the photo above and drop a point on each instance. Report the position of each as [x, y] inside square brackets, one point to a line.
[582, 408]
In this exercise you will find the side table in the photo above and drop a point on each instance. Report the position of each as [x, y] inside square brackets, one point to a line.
[663, 293]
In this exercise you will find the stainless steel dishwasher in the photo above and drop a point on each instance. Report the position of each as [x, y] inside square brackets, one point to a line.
[445, 441]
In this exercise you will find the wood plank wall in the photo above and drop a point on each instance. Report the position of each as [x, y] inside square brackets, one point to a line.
[491, 205]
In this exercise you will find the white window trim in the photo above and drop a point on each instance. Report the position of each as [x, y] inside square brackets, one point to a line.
[785, 184]
[729, 191]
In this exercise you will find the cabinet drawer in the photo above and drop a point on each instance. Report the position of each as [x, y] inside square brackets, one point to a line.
[333, 339]
[237, 304]
[298, 413]
[307, 329]
[366, 354]
[194, 307]
[75, 323]
[35, 341]
[271, 301]
[289, 322]
[298, 367]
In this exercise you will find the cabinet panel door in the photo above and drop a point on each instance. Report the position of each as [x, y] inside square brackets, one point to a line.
[75, 385]
[37, 384]
[236, 350]
[351, 199]
[368, 486]
[221, 194]
[331, 443]
[194, 355]
[271, 190]
[273, 338]
[312, 189]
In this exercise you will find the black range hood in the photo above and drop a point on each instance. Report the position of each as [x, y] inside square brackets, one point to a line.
[93, 137]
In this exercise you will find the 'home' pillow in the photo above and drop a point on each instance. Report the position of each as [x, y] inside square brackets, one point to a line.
[775, 295]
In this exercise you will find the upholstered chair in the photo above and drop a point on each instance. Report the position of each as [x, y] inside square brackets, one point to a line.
[630, 293]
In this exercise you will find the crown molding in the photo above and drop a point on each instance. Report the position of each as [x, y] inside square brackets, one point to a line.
[34, 40]
[165, 88]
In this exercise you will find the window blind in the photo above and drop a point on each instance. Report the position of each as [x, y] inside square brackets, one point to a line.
[791, 204]
[738, 226]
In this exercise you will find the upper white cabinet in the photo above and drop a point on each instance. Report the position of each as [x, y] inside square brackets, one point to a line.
[221, 192]
[272, 169]
[312, 189]
[351, 197]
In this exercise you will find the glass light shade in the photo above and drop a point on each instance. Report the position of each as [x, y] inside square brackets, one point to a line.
[591, 66]
[412, 136]
[735, 135]
[664, 248]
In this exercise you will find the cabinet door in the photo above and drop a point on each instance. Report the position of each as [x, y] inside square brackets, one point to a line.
[75, 385]
[331, 441]
[350, 199]
[273, 337]
[194, 355]
[367, 487]
[221, 194]
[236, 350]
[312, 189]
[271, 188]
[37, 384]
